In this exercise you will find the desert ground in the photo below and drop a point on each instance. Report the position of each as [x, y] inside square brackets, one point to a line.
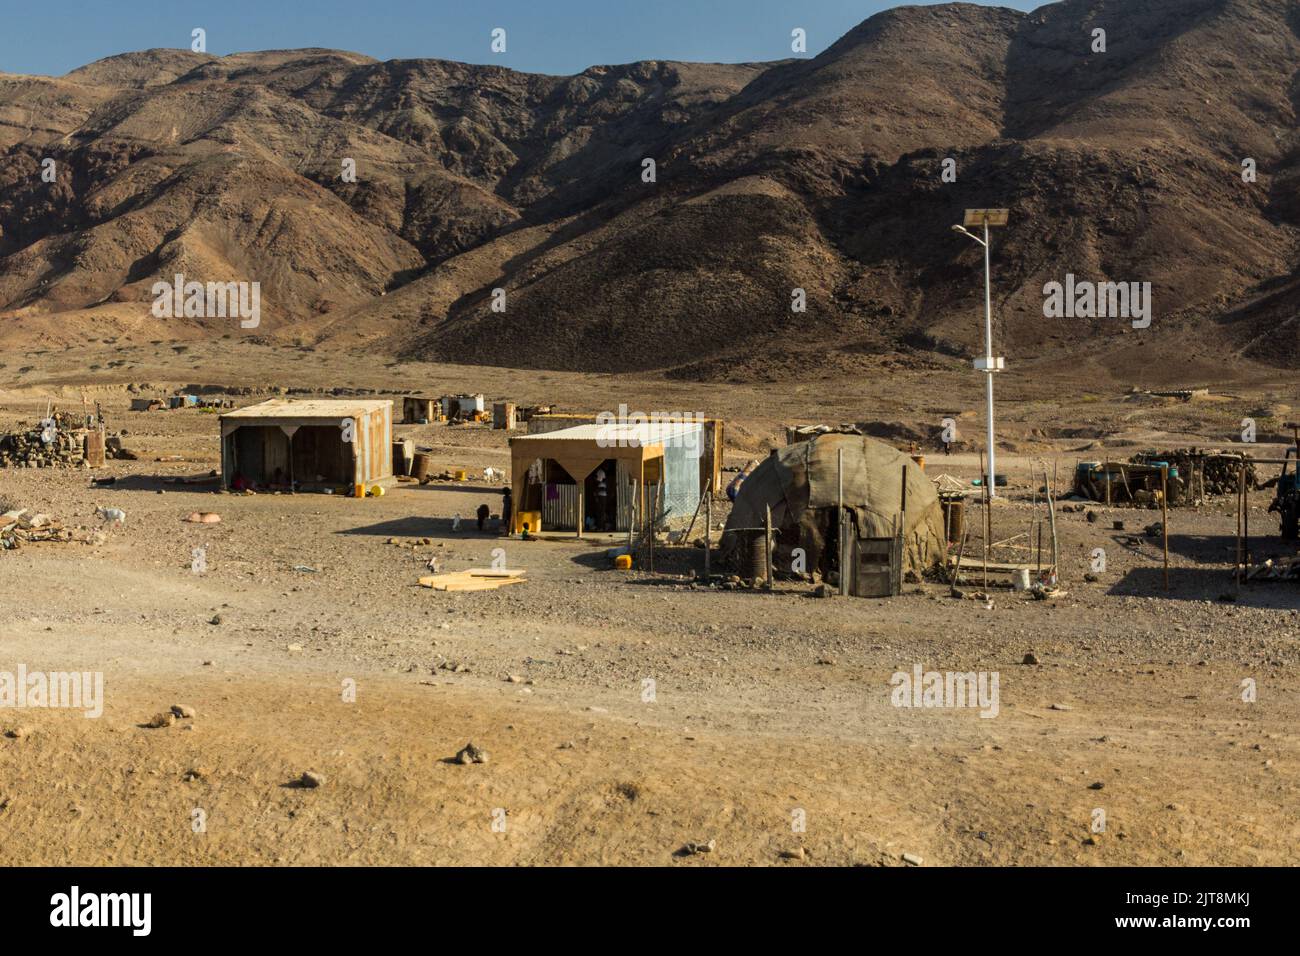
[771, 733]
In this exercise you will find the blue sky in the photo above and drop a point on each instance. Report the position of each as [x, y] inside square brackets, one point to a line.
[545, 36]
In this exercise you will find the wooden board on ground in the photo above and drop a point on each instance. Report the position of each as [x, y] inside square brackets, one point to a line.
[475, 579]
[1000, 574]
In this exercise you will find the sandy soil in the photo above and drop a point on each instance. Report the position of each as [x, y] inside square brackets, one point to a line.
[768, 708]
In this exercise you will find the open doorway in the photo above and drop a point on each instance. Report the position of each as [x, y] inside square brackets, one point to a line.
[599, 497]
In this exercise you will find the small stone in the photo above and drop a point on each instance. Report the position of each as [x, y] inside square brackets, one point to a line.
[911, 859]
[1060, 707]
[471, 754]
[18, 733]
[294, 648]
[1097, 786]
[183, 711]
[693, 849]
[514, 679]
[796, 854]
[215, 619]
[1091, 840]
[1030, 658]
[158, 721]
[196, 773]
[310, 779]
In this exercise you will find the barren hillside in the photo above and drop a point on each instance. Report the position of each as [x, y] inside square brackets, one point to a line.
[824, 174]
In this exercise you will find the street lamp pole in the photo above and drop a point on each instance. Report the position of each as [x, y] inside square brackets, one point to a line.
[988, 363]
[988, 374]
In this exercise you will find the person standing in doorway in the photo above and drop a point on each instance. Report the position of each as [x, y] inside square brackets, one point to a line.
[507, 510]
[602, 500]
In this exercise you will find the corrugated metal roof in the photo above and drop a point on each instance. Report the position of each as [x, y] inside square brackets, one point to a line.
[311, 408]
[619, 433]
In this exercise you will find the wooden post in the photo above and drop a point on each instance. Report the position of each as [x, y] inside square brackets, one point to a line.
[654, 519]
[631, 518]
[1245, 522]
[1241, 483]
[961, 550]
[1164, 515]
[582, 500]
[1051, 519]
[708, 527]
[767, 545]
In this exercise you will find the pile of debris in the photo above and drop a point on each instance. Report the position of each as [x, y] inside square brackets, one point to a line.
[59, 441]
[1189, 475]
[1275, 569]
[21, 526]
[1209, 471]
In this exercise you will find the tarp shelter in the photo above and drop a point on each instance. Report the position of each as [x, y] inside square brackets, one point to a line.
[552, 473]
[800, 483]
[313, 444]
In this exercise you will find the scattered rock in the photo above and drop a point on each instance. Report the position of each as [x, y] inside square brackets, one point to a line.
[911, 859]
[1030, 658]
[311, 779]
[18, 733]
[183, 711]
[694, 849]
[158, 721]
[1097, 786]
[1060, 707]
[215, 619]
[471, 754]
[796, 854]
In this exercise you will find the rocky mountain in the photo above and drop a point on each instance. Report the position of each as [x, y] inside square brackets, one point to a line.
[505, 218]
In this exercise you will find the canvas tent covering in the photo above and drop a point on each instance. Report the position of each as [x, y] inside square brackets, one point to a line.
[306, 443]
[800, 483]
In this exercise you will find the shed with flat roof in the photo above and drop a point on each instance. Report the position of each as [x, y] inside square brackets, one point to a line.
[307, 445]
[555, 476]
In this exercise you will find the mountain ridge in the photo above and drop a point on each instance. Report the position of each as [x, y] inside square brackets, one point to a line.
[823, 174]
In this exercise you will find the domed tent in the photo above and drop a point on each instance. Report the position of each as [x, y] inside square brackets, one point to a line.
[800, 483]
